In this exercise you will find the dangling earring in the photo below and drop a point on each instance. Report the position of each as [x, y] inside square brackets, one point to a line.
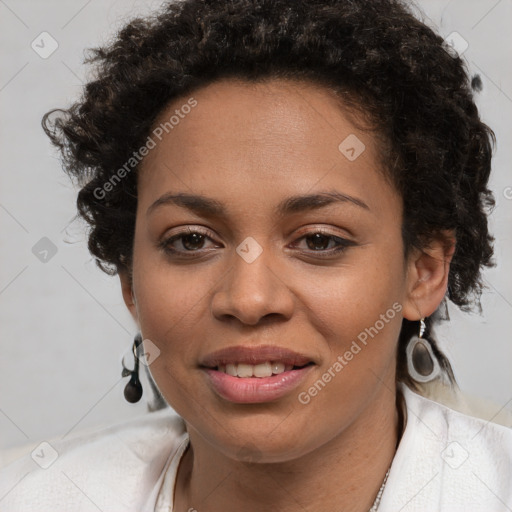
[421, 361]
[133, 390]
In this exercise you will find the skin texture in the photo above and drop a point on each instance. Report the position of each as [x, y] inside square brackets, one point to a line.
[250, 146]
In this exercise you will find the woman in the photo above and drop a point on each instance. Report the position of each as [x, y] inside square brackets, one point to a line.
[288, 191]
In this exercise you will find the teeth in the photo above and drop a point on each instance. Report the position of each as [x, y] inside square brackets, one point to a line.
[266, 369]
[244, 370]
[231, 369]
[279, 367]
[261, 370]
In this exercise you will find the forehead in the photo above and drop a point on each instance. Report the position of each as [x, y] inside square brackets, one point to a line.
[277, 112]
[268, 138]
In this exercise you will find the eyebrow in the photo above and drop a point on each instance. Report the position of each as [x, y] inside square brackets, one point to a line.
[206, 206]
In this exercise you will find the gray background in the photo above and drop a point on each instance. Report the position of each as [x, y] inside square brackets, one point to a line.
[64, 327]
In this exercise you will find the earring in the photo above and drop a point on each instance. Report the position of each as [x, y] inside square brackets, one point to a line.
[421, 361]
[133, 390]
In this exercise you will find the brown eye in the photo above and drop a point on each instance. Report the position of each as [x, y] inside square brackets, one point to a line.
[193, 241]
[189, 241]
[318, 241]
[323, 244]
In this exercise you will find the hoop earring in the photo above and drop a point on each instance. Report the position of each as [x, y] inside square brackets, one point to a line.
[133, 390]
[422, 364]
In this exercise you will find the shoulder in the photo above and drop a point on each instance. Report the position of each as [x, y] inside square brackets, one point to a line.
[448, 461]
[119, 467]
[488, 440]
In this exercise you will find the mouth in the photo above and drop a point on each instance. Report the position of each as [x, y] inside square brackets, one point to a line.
[245, 374]
[262, 370]
[264, 358]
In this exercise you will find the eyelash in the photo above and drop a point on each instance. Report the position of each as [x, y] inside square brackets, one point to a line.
[322, 253]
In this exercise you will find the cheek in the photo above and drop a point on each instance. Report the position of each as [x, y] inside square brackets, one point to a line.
[352, 297]
[358, 314]
[357, 311]
[173, 306]
[171, 302]
[173, 313]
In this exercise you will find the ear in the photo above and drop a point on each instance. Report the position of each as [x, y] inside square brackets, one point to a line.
[128, 295]
[427, 276]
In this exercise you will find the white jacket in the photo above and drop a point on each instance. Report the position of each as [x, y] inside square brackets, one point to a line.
[446, 462]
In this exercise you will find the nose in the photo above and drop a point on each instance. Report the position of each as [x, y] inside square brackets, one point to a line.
[253, 292]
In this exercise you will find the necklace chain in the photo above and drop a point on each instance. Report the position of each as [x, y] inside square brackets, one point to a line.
[376, 503]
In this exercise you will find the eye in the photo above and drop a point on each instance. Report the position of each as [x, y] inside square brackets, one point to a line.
[191, 240]
[324, 243]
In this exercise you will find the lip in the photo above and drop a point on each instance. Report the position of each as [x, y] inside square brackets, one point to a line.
[252, 390]
[254, 355]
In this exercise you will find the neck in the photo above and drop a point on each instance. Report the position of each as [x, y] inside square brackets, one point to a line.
[345, 473]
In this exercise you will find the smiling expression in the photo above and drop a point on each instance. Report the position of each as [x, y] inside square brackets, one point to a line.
[257, 168]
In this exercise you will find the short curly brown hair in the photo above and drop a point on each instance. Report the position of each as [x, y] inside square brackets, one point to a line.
[382, 60]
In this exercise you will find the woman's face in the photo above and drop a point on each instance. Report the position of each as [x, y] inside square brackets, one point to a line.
[258, 273]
